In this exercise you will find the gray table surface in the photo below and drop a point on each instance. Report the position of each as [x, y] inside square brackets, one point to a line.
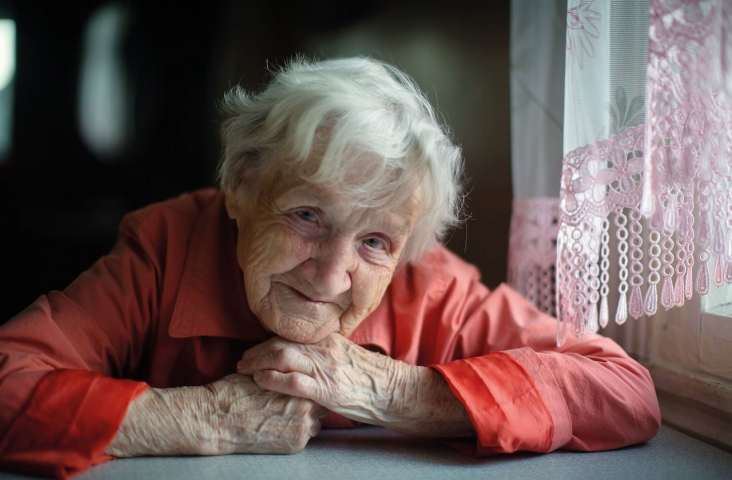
[378, 454]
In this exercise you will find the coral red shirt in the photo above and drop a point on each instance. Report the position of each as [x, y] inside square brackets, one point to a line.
[167, 308]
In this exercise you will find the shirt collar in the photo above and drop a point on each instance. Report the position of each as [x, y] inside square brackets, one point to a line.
[211, 300]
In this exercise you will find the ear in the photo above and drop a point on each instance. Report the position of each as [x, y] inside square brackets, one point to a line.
[232, 206]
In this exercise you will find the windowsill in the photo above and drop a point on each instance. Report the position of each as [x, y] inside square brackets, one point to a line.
[697, 404]
[717, 322]
[690, 359]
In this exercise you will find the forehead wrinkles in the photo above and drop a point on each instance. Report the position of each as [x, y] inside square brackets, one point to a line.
[354, 172]
[405, 200]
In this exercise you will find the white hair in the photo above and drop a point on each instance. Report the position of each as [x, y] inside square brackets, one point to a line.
[373, 133]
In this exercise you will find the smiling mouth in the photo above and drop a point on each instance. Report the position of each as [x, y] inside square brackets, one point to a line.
[305, 297]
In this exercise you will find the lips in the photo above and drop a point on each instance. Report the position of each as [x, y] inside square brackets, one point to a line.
[306, 297]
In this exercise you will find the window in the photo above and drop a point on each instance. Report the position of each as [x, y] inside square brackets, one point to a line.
[716, 313]
[7, 76]
[104, 109]
[691, 364]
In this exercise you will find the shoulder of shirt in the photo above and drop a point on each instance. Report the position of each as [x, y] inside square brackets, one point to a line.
[442, 262]
[435, 274]
[185, 208]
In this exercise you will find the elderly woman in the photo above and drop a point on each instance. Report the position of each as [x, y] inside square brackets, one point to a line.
[310, 290]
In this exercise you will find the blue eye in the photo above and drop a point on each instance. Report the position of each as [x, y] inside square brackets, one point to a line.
[374, 242]
[307, 216]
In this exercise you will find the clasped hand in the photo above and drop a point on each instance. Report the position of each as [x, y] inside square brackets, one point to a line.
[359, 384]
[336, 373]
[283, 389]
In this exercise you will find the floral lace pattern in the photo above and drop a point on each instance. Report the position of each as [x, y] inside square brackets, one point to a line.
[680, 158]
[582, 30]
[532, 250]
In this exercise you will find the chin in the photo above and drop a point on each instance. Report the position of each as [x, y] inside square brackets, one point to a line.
[303, 331]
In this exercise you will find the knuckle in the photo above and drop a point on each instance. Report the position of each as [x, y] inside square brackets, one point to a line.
[279, 354]
[296, 383]
[284, 355]
[293, 383]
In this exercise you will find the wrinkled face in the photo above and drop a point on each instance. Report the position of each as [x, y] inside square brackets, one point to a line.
[312, 264]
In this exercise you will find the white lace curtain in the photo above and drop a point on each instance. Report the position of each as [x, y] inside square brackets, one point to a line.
[537, 110]
[646, 187]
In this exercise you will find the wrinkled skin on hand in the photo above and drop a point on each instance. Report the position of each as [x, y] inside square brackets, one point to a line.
[250, 419]
[231, 415]
[359, 384]
[333, 372]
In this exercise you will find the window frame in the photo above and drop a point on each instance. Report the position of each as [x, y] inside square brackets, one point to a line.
[690, 360]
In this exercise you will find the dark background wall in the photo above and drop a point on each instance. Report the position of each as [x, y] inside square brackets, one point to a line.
[60, 202]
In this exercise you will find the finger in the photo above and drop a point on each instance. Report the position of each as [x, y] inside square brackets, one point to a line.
[274, 343]
[293, 383]
[315, 429]
[285, 360]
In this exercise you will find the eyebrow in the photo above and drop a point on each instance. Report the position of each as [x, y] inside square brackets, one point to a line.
[309, 193]
[394, 221]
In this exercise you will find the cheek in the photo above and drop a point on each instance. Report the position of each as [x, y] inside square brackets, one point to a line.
[379, 286]
[367, 290]
[268, 252]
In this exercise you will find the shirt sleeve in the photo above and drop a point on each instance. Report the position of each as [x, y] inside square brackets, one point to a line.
[498, 353]
[62, 399]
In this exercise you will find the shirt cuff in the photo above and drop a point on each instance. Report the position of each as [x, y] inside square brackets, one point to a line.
[71, 418]
[549, 390]
[503, 403]
[334, 420]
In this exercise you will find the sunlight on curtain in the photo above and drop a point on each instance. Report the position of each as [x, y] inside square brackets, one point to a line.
[537, 91]
[7, 83]
[648, 149]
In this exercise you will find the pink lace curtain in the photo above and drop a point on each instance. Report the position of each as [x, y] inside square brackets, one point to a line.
[646, 183]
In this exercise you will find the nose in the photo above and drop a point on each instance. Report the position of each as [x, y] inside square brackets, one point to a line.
[329, 270]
